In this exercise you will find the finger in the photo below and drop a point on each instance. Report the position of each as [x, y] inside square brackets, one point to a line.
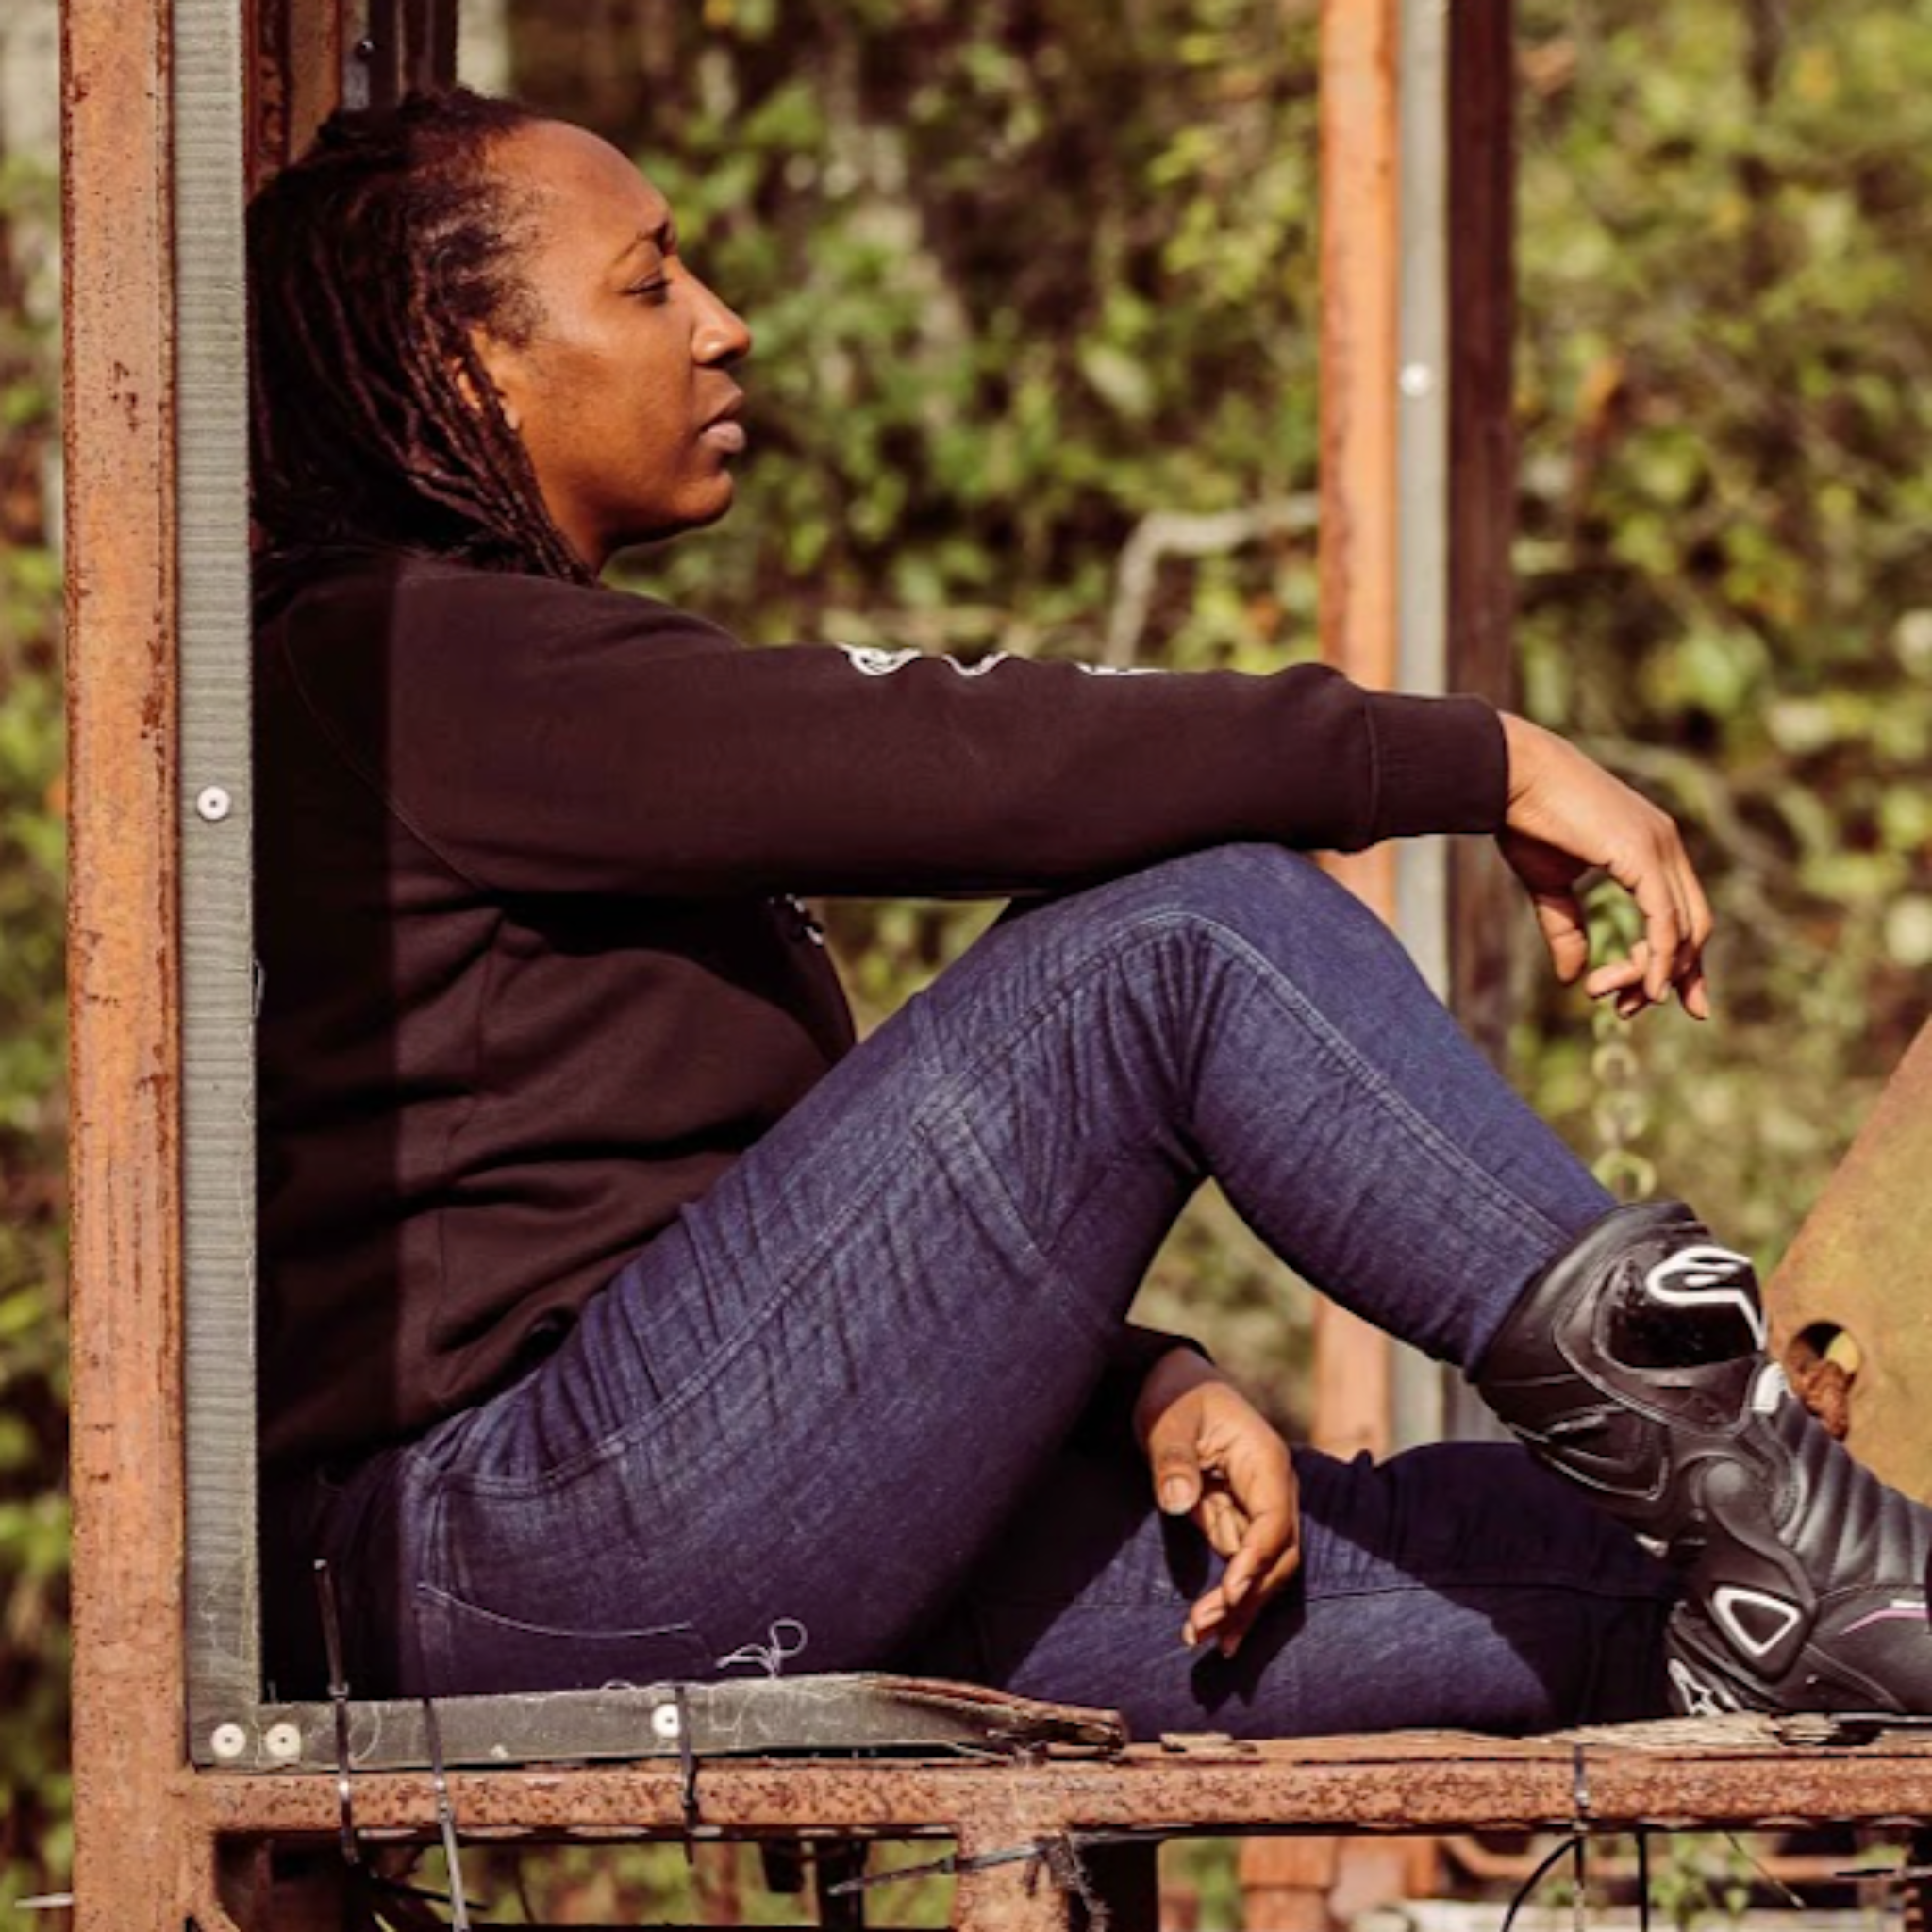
[1650, 886]
[1221, 1522]
[1703, 923]
[1694, 991]
[1271, 1532]
[1177, 1472]
[1238, 1623]
[1614, 976]
[1560, 919]
[1205, 1615]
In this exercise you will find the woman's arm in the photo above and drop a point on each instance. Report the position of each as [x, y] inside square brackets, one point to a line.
[545, 739]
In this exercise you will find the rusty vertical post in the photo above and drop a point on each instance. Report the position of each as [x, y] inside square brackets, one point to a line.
[1484, 900]
[1016, 1896]
[1485, 904]
[1361, 254]
[130, 1832]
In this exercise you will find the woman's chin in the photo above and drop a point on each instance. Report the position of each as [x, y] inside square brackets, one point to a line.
[696, 516]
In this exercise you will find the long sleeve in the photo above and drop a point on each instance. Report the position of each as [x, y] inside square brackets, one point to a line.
[546, 739]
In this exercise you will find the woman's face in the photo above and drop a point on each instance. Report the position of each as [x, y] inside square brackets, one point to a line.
[622, 394]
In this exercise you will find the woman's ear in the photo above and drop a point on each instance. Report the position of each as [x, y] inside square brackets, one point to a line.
[499, 365]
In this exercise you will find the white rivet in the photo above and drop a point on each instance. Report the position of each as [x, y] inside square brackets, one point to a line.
[283, 1742]
[1417, 380]
[213, 803]
[664, 1720]
[228, 1741]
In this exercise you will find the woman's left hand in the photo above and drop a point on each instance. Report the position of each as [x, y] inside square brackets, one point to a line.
[1216, 1459]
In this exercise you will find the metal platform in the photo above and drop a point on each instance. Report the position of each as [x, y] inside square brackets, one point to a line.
[1021, 1827]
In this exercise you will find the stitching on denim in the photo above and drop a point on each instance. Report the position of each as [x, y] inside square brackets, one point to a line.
[1446, 1587]
[1422, 1131]
[947, 1105]
[629, 1435]
[950, 1097]
[1148, 929]
[1053, 1274]
[447, 1601]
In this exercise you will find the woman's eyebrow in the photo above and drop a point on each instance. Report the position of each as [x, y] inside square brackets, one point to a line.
[663, 237]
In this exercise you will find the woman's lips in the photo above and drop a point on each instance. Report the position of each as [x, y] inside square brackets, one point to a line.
[726, 434]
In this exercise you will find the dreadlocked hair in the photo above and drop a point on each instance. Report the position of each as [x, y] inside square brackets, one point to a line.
[371, 263]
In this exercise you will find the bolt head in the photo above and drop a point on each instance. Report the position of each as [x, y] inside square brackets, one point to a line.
[213, 803]
[283, 1742]
[664, 1720]
[229, 1743]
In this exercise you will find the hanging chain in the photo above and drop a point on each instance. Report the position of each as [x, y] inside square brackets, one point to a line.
[1620, 1112]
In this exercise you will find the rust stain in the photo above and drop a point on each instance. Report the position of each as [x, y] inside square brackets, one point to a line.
[1319, 1785]
[1863, 1245]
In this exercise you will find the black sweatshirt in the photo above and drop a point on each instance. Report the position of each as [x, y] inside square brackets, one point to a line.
[532, 977]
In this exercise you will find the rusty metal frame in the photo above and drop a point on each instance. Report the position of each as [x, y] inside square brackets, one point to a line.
[1418, 509]
[154, 1834]
[1664, 1776]
[215, 917]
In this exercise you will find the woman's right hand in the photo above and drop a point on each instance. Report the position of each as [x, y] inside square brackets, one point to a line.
[1568, 816]
[1216, 1457]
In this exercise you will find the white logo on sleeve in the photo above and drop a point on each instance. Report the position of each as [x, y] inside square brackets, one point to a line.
[874, 662]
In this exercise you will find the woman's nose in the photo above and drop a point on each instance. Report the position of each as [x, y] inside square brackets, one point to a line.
[721, 335]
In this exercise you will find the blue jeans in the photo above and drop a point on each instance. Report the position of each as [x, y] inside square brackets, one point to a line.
[836, 1411]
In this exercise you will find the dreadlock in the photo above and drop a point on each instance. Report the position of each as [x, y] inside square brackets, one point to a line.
[371, 262]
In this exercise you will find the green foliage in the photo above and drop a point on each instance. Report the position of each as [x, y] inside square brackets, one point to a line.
[1728, 588]
[1024, 274]
[1028, 272]
[1021, 277]
[34, 1848]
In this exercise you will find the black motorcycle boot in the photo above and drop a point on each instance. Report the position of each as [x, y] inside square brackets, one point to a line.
[1635, 1366]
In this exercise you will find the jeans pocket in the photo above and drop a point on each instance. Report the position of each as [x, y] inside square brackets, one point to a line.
[467, 1651]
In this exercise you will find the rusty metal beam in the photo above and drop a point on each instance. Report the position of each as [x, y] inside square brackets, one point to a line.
[1485, 902]
[1402, 1783]
[1857, 1269]
[117, 188]
[1361, 272]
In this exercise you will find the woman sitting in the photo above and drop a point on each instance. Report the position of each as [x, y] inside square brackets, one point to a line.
[618, 1311]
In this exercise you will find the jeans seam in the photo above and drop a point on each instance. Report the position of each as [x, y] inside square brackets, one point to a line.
[1447, 1587]
[630, 1435]
[1445, 1152]
[1148, 929]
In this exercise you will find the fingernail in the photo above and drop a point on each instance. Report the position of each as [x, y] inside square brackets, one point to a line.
[1174, 1494]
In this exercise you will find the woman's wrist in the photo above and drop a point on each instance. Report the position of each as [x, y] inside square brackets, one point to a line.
[1170, 1377]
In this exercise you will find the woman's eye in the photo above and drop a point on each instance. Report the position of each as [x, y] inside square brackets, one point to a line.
[654, 290]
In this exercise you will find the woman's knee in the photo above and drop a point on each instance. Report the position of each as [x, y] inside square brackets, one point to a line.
[1260, 902]
[1227, 885]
